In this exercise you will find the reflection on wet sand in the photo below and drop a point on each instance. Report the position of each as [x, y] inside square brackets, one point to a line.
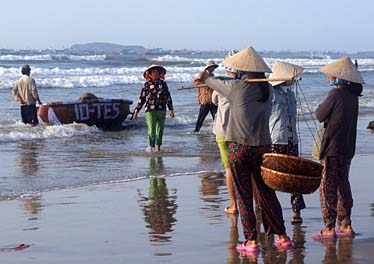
[233, 255]
[212, 184]
[156, 165]
[28, 157]
[209, 152]
[298, 248]
[33, 206]
[159, 207]
[340, 254]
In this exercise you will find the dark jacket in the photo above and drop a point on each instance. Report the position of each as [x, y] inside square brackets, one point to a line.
[156, 96]
[339, 112]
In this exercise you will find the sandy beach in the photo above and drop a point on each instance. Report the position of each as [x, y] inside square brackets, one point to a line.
[175, 219]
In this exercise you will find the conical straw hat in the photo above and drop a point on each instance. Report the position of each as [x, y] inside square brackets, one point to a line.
[246, 60]
[283, 69]
[209, 64]
[343, 69]
[154, 66]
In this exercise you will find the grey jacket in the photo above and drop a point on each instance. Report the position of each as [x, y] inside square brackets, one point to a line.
[248, 120]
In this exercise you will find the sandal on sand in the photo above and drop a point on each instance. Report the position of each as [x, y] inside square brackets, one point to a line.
[339, 233]
[284, 243]
[19, 247]
[320, 236]
[243, 247]
[296, 220]
[228, 210]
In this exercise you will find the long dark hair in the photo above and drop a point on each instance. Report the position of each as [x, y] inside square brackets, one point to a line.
[265, 89]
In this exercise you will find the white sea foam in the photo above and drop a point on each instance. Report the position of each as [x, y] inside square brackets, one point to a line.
[19, 131]
[111, 76]
[50, 57]
[92, 77]
[171, 58]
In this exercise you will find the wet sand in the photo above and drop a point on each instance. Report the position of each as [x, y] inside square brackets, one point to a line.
[175, 219]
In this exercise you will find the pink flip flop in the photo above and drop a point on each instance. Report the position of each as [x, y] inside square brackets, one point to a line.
[320, 236]
[339, 233]
[18, 247]
[286, 243]
[242, 247]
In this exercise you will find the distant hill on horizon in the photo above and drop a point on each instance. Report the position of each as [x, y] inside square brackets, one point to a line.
[106, 47]
[117, 50]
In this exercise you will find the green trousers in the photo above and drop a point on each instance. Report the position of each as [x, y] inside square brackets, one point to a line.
[155, 123]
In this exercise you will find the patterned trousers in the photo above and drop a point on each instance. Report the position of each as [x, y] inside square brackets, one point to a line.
[297, 200]
[335, 192]
[245, 163]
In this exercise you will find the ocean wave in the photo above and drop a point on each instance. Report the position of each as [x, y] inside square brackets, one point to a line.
[52, 57]
[92, 77]
[21, 132]
[171, 58]
[108, 76]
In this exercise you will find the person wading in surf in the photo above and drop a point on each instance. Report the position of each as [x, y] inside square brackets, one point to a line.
[155, 96]
[204, 96]
[25, 93]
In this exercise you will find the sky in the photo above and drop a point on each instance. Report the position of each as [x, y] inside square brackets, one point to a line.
[267, 25]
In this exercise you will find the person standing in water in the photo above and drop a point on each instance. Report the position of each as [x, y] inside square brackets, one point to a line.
[204, 96]
[25, 93]
[155, 96]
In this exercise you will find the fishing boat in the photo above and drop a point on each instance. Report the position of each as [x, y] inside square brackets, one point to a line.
[90, 110]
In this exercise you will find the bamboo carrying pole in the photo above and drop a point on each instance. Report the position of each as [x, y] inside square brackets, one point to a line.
[246, 80]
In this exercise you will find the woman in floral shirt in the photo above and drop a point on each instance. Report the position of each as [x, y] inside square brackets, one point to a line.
[155, 96]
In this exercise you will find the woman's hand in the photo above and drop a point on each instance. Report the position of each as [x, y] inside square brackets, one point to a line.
[171, 114]
[204, 76]
[135, 115]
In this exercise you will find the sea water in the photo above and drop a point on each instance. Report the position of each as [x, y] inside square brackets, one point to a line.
[35, 159]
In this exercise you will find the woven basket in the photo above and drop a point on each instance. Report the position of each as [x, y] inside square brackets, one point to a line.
[291, 174]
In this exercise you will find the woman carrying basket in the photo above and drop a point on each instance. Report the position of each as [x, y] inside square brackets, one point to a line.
[338, 112]
[249, 137]
[283, 132]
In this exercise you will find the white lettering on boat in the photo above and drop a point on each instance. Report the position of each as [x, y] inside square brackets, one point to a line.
[97, 110]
